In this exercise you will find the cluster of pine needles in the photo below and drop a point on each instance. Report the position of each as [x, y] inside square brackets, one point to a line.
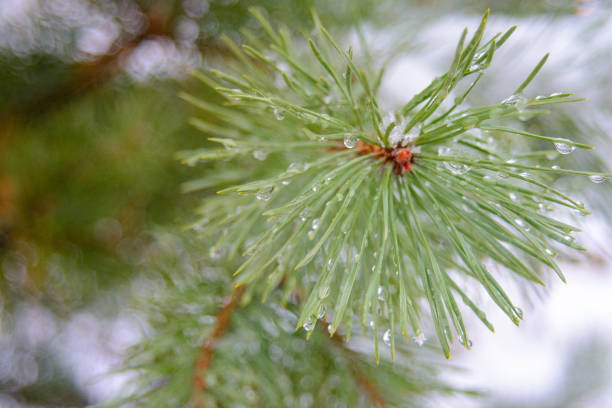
[370, 216]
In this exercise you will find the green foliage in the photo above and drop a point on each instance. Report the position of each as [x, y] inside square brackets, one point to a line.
[260, 360]
[96, 173]
[333, 206]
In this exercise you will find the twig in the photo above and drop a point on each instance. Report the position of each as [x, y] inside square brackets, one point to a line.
[208, 347]
[360, 378]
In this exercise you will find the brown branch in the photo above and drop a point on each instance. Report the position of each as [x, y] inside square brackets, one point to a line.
[361, 378]
[223, 319]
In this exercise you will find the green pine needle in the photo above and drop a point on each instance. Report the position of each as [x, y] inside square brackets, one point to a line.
[365, 213]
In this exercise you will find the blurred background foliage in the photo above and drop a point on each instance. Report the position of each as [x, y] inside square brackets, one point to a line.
[89, 123]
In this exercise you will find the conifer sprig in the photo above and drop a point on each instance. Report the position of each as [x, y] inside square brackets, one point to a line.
[208, 350]
[365, 213]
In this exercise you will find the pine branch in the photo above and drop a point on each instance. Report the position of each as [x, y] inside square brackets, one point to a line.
[410, 204]
[208, 347]
[258, 360]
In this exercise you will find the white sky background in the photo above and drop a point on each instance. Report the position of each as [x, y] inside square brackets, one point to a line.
[519, 365]
[524, 366]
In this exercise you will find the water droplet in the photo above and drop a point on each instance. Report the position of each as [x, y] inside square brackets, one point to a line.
[297, 168]
[419, 339]
[350, 141]
[260, 154]
[371, 324]
[324, 291]
[462, 341]
[455, 168]
[387, 337]
[330, 329]
[278, 114]
[555, 167]
[215, 253]
[315, 223]
[264, 194]
[309, 324]
[382, 293]
[597, 179]
[321, 312]
[517, 100]
[568, 238]
[513, 197]
[579, 211]
[285, 182]
[304, 214]
[519, 312]
[549, 251]
[562, 147]
[476, 67]
[519, 222]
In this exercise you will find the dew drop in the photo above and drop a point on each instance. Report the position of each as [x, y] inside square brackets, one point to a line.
[562, 147]
[382, 293]
[419, 339]
[549, 251]
[387, 337]
[264, 194]
[350, 141]
[597, 179]
[296, 168]
[304, 214]
[285, 182]
[513, 197]
[315, 223]
[321, 312]
[579, 211]
[555, 167]
[519, 312]
[455, 168]
[517, 100]
[260, 154]
[462, 341]
[309, 324]
[279, 114]
[215, 253]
